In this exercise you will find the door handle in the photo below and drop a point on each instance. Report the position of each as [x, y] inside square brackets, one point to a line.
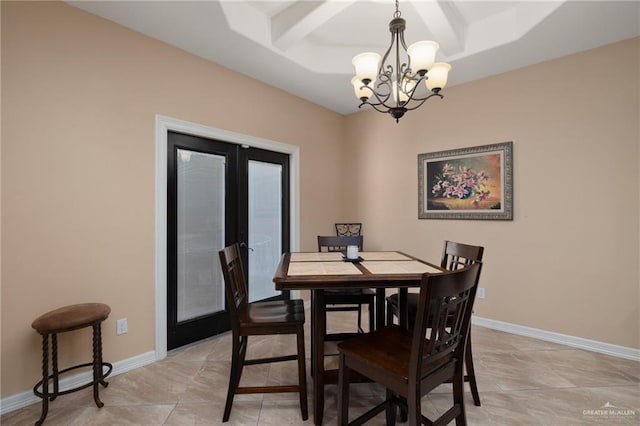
[245, 246]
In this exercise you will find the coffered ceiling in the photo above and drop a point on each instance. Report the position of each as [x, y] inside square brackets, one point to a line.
[305, 47]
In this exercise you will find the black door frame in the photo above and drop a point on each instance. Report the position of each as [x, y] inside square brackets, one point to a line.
[236, 223]
[163, 125]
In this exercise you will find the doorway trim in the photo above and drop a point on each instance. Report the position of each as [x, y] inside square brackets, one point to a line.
[163, 126]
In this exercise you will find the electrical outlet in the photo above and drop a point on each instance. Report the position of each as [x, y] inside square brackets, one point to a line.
[481, 293]
[121, 326]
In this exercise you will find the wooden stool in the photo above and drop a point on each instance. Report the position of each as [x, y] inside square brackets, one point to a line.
[64, 319]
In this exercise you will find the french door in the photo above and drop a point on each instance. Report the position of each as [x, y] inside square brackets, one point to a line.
[218, 194]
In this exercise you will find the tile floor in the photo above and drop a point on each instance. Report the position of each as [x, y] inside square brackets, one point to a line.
[522, 381]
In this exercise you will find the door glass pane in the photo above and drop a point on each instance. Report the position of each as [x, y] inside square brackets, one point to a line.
[201, 207]
[265, 227]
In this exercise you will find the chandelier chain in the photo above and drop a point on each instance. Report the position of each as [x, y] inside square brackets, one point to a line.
[397, 12]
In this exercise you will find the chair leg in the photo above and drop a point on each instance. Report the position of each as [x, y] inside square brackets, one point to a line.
[343, 393]
[360, 330]
[471, 374]
[372, 316]
[403, 414]
[302, 375]
[389, 314]
[458, 397]
[414, 411]
[237, 362]
[392, 410]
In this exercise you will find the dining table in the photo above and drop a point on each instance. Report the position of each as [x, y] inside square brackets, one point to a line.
[320, 271]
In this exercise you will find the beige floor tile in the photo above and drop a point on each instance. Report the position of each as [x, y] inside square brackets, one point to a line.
[583, 368]
[522, 381]
[282, 412]
[511, 371]
[244, 413]
[149, 415]
[57, 415]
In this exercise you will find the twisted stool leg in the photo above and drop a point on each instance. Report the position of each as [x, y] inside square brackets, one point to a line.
[100, 362]
[45, 379]
[97, 364]
[54, 365]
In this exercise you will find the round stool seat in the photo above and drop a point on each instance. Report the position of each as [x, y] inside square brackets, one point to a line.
[71, 317]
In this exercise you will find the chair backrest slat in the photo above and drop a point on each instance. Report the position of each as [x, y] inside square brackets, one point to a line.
[444, 317]
[458, 255]
[334, 243]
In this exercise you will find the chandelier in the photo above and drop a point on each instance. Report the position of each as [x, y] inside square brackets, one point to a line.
[397, 79]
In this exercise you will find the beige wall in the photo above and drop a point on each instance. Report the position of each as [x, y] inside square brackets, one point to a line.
[568, 262]
[79, 99]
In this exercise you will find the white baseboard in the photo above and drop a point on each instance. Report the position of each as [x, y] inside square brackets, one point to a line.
[563, 339]
[26, 398]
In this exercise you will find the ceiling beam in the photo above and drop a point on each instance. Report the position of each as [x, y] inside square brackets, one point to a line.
[445, 24]
[303, 17]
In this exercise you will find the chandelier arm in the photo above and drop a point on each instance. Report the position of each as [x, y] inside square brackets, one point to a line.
[403, 83]
[376, 107]
[417, 102]
[384, 58]
[412, 92]
[426, 97]
[421, 101]
[416, 83]
[380, 98]
[405, 68]
[382, 101]
[404, 45]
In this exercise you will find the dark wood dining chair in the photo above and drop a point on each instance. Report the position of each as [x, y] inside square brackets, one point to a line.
[346, 229]
[412, 363]
[259, 318]
[346, 299]
[454, 256]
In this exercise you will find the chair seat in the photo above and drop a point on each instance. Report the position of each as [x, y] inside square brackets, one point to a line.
[274, 312]
[388, 348]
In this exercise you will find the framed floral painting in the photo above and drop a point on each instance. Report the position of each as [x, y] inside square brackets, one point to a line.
[467, 183]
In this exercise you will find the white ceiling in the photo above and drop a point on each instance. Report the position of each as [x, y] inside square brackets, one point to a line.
[305, 47]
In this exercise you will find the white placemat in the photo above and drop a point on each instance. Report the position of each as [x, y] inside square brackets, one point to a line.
[316, 257]
[383, 255]
[322, 268]
[398, 267]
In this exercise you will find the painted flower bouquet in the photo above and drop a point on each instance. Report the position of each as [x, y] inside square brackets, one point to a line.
[465, 183]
